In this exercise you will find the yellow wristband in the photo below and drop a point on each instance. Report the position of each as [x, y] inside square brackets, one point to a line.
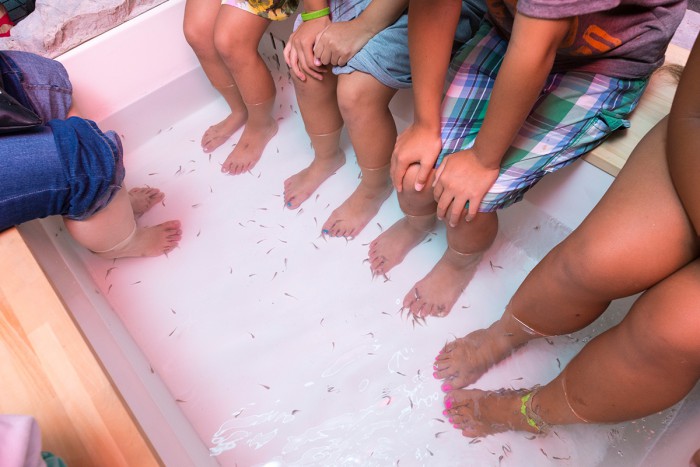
[315, 14]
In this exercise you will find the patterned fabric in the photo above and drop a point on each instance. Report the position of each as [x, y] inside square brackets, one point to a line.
[274, 10]
[575, 113]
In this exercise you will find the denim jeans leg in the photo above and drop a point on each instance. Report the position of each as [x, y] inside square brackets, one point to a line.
[36, 82]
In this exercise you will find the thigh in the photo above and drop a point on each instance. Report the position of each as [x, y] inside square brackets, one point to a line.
[664, 324]
[273, 10]
[200, 18]
[363, 93]
[38, 83]
[639, 233]
[237, 30]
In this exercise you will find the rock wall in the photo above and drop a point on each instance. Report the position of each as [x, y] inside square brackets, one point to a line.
[57, 26]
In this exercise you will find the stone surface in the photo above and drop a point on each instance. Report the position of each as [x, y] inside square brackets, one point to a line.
[57, 26]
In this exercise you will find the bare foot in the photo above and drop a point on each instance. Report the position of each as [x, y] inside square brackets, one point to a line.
[249, 148]
[482, 413]
[354, 214]
[392, 246]
[144, 198]
[300, 186]
[463, 361]
[218, 134]
[436, 293]
[149, 241]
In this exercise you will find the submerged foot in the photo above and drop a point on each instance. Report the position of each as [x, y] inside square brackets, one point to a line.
[144, 198]
[300, 186]
[354, 214]
[249, 148]
[149, 241]
[482, 413]
[436, 293]
[218, 134]
[391, 247]
[463, 361]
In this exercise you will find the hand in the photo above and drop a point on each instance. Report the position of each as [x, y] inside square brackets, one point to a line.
[416, 145]
[298, 53]
[461, 177]
[339, 42]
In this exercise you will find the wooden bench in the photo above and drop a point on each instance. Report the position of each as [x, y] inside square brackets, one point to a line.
[654, 105]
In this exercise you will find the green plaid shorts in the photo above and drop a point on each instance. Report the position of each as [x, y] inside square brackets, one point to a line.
[575, 112]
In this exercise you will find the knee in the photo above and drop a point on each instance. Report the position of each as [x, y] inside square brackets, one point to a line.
[580, 263]
[412, 201]
[234, 50]
[355, 102]
[201, 39]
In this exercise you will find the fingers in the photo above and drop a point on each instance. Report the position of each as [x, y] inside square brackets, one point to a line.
[422, 176]
[398, 172]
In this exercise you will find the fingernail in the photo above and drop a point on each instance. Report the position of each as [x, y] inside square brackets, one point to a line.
[446, 387]
[419, 186]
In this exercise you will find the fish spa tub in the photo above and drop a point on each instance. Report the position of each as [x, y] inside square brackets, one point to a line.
[259, 342]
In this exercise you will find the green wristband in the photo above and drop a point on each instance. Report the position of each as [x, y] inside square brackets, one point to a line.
[315, 14]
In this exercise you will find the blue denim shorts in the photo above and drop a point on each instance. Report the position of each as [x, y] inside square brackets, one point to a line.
[65, 167]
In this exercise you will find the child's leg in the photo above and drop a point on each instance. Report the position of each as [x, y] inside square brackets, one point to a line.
[647, 363]
[437, 292]
[419, 207]
[236, 35]
[364, 104]
[318, 103]
[200, 18]
[112, 231]
[621, 248]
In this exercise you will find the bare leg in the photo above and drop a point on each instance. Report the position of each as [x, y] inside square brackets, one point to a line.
[364, 104]
[647, 363]
[237, 34]
[200, 18]
[115, 226]
[437, 292]
[614, 253]
[695, 460]
[318, 103]
[392, 246]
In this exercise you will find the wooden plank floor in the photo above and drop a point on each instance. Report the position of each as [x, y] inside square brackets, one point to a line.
[48, 371]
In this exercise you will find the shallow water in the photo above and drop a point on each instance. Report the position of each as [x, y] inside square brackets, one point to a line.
[282, 349]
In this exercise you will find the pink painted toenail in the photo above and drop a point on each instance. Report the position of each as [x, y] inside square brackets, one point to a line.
[435, 375]
[444, 412]
[446, 387]
[448, 403]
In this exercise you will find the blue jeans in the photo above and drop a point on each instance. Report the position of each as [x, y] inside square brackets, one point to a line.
[66, 167]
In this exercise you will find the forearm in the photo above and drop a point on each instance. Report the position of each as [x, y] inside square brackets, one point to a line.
[683, 142]
[380, 14]
[520, 80]
[431, 32]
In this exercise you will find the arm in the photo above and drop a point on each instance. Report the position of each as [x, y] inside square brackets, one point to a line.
[431, 31]
[468, 175]
[339, 42]
[683, 142]
[298, 53]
